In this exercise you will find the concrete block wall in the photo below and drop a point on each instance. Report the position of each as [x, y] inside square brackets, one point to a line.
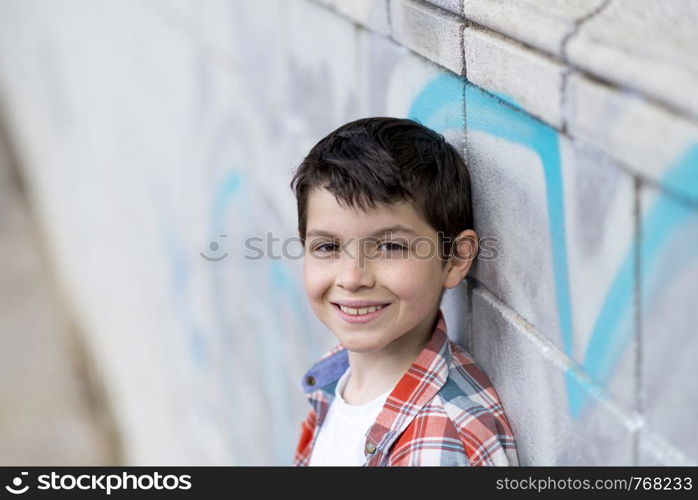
[154, 132]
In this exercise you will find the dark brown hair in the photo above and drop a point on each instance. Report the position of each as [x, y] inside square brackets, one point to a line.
[386, 160]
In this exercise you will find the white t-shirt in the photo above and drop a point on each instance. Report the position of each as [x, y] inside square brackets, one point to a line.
[342, 436]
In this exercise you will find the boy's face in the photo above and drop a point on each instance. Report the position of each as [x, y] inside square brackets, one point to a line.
[360, 263]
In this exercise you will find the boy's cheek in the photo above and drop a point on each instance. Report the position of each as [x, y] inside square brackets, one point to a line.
[411, 269]
[316, 282]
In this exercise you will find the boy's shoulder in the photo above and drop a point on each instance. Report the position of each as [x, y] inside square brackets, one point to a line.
[474, 408]
[467, 384]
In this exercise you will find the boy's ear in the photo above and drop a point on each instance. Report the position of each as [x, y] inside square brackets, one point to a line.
[464, 251]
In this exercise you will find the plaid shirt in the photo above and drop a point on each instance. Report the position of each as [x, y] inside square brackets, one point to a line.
[443, 411]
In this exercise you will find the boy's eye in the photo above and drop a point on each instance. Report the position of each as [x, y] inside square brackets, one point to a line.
[387, 246]
[325, 247]
[392, 246]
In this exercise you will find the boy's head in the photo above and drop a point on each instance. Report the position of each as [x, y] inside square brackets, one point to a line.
[384, 160]
[367, 176]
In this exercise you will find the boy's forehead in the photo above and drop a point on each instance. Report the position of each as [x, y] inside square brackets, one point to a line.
[325, 214]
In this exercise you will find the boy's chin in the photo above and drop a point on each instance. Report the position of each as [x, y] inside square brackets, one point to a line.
[357, 345]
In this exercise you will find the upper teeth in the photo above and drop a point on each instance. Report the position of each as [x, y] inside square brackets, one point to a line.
[361, 310]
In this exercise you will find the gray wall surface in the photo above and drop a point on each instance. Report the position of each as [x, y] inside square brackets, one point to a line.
[155, 135]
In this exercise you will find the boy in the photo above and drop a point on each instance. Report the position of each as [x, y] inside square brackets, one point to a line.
[385, 219]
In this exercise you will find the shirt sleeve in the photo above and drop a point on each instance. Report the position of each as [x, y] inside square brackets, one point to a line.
[431, 440]
[303, 449]
[487, 439]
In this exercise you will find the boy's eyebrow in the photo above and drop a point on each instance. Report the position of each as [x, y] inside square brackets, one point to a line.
[391, 229]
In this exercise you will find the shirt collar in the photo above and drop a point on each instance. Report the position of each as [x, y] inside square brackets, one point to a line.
[424, 378]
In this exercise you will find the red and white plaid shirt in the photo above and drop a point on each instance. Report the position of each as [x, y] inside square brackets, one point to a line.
[443, 411]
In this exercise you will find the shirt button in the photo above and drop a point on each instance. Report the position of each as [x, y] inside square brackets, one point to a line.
[310, 380]
[370, 448]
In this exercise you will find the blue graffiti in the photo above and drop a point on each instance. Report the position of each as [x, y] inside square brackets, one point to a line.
[613, 327]
[438, 106]
[270, 339]
[180, 274]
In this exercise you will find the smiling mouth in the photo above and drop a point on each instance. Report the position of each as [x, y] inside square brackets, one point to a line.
[361, 314]
[360, 311]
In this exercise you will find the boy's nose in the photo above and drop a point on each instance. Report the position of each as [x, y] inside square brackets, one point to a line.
[355, 273]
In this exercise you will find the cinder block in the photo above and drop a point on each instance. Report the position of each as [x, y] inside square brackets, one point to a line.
[599, 225]
[501, 66]
[397, 82]
[455, 306]
[543, 24]
[615, 46]
[531, 377]
[455, 6]
[654, 450]
[431, 32]
[511, 208]
[646, 138]
[380, 59]
[669, 347]
[533, 191]
[372, 14]
[321, 67]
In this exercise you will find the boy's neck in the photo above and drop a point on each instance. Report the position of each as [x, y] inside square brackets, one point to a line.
[374, 373]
